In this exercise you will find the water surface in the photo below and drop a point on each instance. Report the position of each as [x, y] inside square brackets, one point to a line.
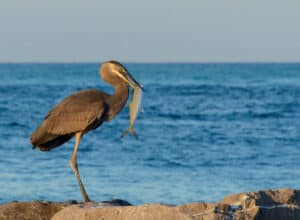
[207, 130]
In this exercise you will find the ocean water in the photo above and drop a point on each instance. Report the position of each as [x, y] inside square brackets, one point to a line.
[207, 130]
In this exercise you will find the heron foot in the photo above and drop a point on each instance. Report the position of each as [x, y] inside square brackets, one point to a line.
[87, 200]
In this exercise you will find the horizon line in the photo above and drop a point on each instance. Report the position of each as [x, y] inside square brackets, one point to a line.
[152, 62]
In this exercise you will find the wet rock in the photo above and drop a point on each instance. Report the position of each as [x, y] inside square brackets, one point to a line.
[117, 202]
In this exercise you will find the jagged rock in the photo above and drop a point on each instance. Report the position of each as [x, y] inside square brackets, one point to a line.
[206, 211]
[263, 205]
[281, 204]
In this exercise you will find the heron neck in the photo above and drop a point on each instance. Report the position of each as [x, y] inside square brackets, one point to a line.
[117, 101]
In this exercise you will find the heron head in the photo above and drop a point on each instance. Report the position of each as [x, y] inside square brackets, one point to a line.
[113, 71]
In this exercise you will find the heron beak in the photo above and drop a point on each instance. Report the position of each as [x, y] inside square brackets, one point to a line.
[129, 79]
[133, 82]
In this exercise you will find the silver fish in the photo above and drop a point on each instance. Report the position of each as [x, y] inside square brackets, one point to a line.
[134, 108]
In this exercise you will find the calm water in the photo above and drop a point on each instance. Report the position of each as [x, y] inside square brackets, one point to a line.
[207, 130]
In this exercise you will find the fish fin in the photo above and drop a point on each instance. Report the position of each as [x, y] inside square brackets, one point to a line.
[124, 133]
[131, 131]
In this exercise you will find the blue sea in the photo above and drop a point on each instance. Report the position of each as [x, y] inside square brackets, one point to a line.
[206, 131]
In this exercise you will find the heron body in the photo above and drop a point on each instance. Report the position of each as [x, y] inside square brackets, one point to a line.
[82, 112]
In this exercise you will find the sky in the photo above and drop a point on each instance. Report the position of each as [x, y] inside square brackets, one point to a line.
[150, 31]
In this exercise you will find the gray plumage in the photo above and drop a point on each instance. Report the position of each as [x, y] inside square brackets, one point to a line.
[82, 112]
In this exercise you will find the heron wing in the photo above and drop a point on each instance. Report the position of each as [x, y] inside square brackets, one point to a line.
[81, 111]
[72, 122]
[76, 112]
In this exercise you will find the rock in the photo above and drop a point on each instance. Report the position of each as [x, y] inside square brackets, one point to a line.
[36, 210]
[206, 211]
[117, 202]
[281, 204]
[143, 212]
[194, 211]
[262, 205]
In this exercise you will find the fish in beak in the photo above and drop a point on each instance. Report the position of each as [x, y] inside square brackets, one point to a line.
[136, 101]
[134, 106]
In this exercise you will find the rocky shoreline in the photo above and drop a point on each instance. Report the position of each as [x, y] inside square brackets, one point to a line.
[283, 204]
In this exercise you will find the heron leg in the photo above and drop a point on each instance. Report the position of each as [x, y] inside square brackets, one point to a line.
[74, 166]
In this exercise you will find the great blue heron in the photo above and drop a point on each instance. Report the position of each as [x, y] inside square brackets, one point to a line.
[84, 111]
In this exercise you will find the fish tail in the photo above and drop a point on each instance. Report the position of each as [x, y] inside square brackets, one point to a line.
[130, 130]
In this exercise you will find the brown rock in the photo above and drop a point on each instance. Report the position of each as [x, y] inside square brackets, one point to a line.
[29, 210]
[144, 212]
[281, 204]
[206, 211]
[194, 211]
[263, 205]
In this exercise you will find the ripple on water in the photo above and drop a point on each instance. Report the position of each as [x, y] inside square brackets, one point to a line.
[226, 126]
